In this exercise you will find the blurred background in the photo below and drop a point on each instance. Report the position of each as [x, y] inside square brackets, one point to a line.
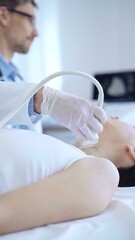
[94, 36]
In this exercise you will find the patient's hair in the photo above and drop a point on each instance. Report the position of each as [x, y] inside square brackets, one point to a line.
[16, 3]
[127, 177]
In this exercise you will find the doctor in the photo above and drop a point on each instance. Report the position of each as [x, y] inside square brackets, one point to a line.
[17, 31]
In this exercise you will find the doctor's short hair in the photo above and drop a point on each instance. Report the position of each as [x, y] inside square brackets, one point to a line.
[16, 3]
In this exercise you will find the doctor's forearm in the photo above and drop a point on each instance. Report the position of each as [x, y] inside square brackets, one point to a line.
[38, 98]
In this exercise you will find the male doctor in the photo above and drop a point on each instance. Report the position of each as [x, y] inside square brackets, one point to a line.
[17, 32]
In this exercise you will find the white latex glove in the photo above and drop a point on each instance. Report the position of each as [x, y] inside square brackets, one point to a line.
[78, 115]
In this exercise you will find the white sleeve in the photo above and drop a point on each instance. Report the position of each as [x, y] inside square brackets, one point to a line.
[15, 99]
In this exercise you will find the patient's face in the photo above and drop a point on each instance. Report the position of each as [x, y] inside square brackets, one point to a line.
[118, 132]
[113, 141]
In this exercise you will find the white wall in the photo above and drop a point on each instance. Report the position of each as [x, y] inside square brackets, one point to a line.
[86, 35]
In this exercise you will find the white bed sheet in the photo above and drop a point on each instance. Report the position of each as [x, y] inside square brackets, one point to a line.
[115, 223]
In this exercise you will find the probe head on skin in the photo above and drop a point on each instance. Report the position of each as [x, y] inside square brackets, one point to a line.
[91, 142]
[87, 143]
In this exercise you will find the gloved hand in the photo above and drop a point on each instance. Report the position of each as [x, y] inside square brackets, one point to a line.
[78, 115]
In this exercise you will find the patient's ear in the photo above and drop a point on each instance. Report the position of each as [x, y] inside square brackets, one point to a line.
[130, 151]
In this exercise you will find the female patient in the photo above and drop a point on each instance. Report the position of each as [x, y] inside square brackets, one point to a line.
[116, 143]
[68, 184]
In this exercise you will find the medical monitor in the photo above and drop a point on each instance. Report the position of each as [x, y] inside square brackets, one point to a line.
[117, 86]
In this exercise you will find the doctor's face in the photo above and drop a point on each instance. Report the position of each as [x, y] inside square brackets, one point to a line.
[21, 29]
[117, 131]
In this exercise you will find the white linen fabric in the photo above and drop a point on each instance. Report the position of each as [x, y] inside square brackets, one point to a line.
[31, 157]
[116, 222]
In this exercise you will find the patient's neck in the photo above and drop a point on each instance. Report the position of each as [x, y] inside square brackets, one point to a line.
[109, 151]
